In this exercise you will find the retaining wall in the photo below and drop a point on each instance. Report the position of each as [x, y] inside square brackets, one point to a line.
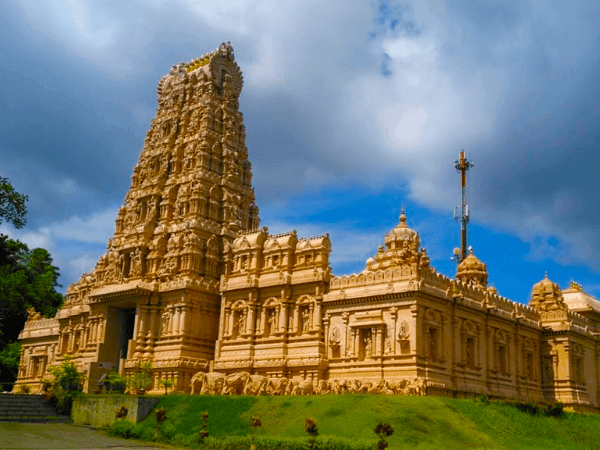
[100, 410]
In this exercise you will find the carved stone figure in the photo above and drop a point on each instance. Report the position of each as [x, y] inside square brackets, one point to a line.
[305, 321]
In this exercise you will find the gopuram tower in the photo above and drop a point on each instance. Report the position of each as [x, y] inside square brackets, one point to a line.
[154, 294]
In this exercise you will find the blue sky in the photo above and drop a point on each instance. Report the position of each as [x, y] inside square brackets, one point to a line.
[352, 109]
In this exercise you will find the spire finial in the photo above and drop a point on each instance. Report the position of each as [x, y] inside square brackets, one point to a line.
[402, 217]
[546, 275]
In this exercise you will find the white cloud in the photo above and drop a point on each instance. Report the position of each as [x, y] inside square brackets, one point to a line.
[316, 58]
[96, 228]
[75, 244]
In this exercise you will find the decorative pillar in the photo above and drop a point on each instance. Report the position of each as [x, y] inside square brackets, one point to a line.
[510, 354]
[152, 328]
[488, 351]
[317, 314]
[141, 322]
[326, 330]
[567, 365]
[414, 312]
[250, 319]
[182, 319]
[174, 325]
[262, 324]
[101, 328]
[478, 347]
[230, 324]
[223, 321]
[394, 336]
[285, 309]
[295, 324]
[345, 317]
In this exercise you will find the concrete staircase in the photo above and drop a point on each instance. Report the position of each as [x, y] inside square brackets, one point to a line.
[28, 408]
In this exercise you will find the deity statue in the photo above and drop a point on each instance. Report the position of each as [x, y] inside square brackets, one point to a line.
[241, 324]
[272, 323]
[136, 263]
[368, 347]
[305, 320]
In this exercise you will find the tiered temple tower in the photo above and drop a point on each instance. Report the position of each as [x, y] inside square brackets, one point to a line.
[154, 295]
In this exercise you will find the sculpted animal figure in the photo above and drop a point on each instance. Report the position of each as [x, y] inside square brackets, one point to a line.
[304, 387]
[366, 387]
[323, 387]
[339, 386]
[207, 383]
[234, 383]
[278, 386]
[420, 386]
[388, 389]
[355, 386]
[197, 382]
[376, 389]
[256, 385]
[215, 386]
[400, 386]
[213, 383]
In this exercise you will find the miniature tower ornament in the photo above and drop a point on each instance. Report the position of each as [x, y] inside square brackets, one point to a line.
[462, 165]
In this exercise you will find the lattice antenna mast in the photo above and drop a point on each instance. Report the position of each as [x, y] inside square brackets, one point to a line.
[462, 165]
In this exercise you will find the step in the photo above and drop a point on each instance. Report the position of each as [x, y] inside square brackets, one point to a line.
[36, 419]
[27, 411]
[29, 408]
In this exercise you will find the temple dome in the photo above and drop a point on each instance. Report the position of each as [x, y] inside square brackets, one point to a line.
[400, 234]
[472, 270]
[547, 296]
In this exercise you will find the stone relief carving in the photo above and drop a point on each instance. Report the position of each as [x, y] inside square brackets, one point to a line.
[404, 332]
[335, 337]
[216, 383]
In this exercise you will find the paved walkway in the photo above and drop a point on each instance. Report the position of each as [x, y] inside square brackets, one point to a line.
[61, 436]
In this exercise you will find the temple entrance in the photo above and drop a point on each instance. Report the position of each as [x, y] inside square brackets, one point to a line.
[126, 319]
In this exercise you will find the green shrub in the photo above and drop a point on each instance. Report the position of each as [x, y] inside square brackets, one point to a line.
[527, 407]
[116, 382]
[123, 427]
[142, 432]
[67, 375]
[166, 383]
[554, 410]
[168, 431]
[281, 443]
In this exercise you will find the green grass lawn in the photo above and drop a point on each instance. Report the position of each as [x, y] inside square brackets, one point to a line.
[419, 422]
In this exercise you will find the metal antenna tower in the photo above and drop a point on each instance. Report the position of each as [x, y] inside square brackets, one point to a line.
[462, 165]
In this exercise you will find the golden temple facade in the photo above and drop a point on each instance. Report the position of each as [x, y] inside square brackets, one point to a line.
[191, 283]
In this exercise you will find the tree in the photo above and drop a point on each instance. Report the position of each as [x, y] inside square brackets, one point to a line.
[12, 204]
[27, 280]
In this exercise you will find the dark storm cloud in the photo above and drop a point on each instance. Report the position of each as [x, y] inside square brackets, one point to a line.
[538, 165]
[82, 115]
[336, 94]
